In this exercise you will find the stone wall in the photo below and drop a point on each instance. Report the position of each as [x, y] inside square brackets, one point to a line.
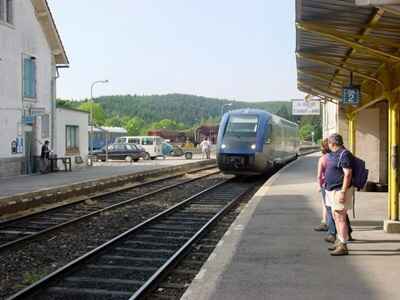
[11, 166]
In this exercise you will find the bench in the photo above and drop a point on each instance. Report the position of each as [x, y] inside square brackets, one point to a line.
[65, 160]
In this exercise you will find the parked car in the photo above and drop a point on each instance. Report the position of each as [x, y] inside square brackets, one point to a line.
[128, 152]
[152, 144]
[174, 150]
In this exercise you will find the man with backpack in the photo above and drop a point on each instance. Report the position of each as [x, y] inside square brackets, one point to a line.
[339, 190]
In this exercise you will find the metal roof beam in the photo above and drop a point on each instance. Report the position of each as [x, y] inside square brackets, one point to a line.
[319, 91]
[363, 26]
[357, 37]
[344, 39]
[307, 70]
[319, 60]
[361, 58]
[319, 75]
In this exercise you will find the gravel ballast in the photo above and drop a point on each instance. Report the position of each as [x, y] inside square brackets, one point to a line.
[21, 267]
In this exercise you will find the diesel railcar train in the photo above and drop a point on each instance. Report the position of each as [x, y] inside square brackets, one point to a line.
[252, 141]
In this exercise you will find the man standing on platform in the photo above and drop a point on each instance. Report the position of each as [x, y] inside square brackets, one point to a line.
[339, 190]
[44, 157]
[205, 148]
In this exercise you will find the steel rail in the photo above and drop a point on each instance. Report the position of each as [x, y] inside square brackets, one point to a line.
[125, 188]
[86, 259]
[174, 260]
[27, 238]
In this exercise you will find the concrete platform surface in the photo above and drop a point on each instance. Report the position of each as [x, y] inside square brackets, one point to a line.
[22, 184]
[272, 252]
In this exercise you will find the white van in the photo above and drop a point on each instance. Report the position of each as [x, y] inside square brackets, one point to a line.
[152, 144]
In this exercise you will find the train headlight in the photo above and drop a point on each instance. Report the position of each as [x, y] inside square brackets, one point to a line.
[223, 146]
[253, 146]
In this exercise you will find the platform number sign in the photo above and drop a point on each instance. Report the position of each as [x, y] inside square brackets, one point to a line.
[351, 95]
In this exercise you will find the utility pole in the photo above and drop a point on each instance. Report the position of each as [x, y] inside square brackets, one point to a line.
[91, 114]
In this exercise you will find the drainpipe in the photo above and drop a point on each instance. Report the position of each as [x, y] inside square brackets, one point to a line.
[53, 139]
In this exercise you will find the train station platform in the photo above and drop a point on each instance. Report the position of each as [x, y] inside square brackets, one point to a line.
[25, 192]
[27, 183]
[272, 252]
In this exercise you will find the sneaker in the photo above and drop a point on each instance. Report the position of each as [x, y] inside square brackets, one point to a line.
[330, 238]
[340, 250]
[321, 227]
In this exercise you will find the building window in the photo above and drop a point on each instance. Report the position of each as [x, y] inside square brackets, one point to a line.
[7, 11]
[2, 10]
[72, 139]
[29, 77]
[10, 11]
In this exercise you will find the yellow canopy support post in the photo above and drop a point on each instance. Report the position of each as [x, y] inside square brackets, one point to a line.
[352, 132]
[393, 205]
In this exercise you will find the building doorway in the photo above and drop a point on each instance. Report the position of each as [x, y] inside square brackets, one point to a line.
[29, 159]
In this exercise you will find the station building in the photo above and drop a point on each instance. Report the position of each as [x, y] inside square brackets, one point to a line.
[31, 52]
[356, 44]
[71, 138]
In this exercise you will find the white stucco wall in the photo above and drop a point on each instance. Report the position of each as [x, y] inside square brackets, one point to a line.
[368, 141]
[25, 37]
[66, 117]
[329, 118]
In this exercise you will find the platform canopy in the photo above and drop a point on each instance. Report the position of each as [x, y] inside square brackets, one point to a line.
[337, 38]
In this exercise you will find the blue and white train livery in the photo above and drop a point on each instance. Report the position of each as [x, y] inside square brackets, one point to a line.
[252, 141]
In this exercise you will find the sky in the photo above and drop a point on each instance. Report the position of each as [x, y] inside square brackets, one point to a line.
[231, 49]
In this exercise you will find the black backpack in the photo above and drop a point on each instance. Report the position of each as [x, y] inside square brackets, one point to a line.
[360, 172]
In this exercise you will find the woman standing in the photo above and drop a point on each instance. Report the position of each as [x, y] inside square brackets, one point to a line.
[324, 226]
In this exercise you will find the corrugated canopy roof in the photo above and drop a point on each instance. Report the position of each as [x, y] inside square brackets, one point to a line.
[336, 37]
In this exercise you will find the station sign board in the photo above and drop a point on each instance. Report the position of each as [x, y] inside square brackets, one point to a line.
[306, 108]
[351, 95]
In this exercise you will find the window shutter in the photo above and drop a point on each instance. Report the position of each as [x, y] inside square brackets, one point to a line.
[1, 10]
[26, 76]
[9, 11]
[33, 77]
[29, 78]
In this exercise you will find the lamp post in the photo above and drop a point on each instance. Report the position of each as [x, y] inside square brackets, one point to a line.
[91, 113]
[223, 107]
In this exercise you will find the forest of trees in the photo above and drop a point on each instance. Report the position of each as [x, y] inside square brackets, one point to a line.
[138, 114]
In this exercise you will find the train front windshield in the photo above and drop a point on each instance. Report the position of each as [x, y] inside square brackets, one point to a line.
[242, 126]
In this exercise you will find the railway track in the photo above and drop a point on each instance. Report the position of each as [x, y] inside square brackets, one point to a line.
[15, 232]
[131, 264]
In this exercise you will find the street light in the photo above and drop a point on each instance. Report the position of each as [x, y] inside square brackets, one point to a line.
[91, 112]
[223, 107]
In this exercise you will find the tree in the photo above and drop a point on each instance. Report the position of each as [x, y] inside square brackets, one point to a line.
[168, 124]
[306, 132]
[134, 126]
[98, 113]
[114, 121]
[315, 122]
[65, 103]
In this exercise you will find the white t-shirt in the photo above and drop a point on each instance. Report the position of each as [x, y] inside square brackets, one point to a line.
[204, 145]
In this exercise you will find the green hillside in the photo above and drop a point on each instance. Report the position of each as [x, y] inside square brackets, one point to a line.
[176, 111]
[186, 109]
